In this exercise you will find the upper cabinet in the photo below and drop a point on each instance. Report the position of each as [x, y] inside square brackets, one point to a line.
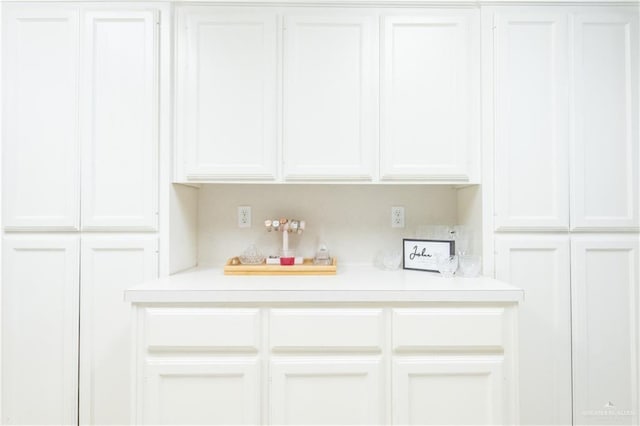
[565, 117]
[302, 94]
[330, 83]
[430, 69]
[604, 144]
[80, 148]
[226, 94]
[531, 133]
[119, 120]
[40, 140]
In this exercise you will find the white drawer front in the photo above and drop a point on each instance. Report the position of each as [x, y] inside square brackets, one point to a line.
[202, 328]
[434, 328]
[318, 329]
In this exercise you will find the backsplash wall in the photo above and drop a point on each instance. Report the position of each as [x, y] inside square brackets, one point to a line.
[353, 220]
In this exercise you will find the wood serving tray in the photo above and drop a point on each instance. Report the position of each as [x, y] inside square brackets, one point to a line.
[306, 268]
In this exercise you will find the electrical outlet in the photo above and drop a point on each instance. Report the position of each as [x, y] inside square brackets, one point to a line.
[244, 217]
[397, 217]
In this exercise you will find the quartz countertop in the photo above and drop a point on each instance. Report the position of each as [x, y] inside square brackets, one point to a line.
[352, 283]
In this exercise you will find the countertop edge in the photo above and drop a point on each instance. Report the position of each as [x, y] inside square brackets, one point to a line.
[322, 296]
[355, 284]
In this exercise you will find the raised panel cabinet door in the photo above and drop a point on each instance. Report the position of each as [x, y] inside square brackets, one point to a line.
[41, 177]
[327, 390]
[330, 97]
[40, 329]
[211, 391]
[226, 94]
[119, 117]
[539, 265]
[109, 266]
[462, 390]
[604, 145]
[429, 84]
[531, 119]
[604, 292]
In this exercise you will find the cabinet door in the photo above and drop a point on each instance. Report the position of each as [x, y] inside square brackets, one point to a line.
[40, 330]
[540, 266]
[604, 192]
[119, 118]
[324, 390]
[110, 265]
[330, 97]
[531, 119]
[40, 142]
[220, 391]
[429, 95]
[226, 94]
[604, 291]
[448, 391]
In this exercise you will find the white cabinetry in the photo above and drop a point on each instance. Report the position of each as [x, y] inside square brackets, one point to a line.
[531, 134]
[40, 139]
[451, 365]
[604, 284]
[198, 366]
[539, 264]
[448, 390]
[220, 391]
[562, 103]
[226, 94]
[40, 329]
[327, 366]
[604, 144]
[330, 96]
[46, 292]
[327, 390]
[80, 153]
[302, 100]
[538, 65]
[110, 265]
[323, 363]
[115, 127]
[119, 120]
[429, 83]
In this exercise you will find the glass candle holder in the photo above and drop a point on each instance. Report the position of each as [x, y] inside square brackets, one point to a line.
[447, 265]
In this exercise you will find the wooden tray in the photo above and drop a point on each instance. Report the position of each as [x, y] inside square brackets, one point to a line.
[306, 268]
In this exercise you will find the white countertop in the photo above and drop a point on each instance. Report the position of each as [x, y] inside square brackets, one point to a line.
[352, 283]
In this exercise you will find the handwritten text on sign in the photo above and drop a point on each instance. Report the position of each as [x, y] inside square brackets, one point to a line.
[423, 255]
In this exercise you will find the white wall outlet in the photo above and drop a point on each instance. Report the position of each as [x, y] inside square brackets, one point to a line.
[244, 216]
[397, 217]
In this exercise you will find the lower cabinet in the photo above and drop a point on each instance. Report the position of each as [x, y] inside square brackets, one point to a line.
[327, 390]
[539, 264]
[446, 363]
[446, 390]
[40, 329]
[66, 339]
[604, 309]
[224, 390]
[326, 365]
[578, 325]
[453, 365]
[109, 265]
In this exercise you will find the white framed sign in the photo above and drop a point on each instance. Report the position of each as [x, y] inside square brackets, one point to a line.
[422, 255]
